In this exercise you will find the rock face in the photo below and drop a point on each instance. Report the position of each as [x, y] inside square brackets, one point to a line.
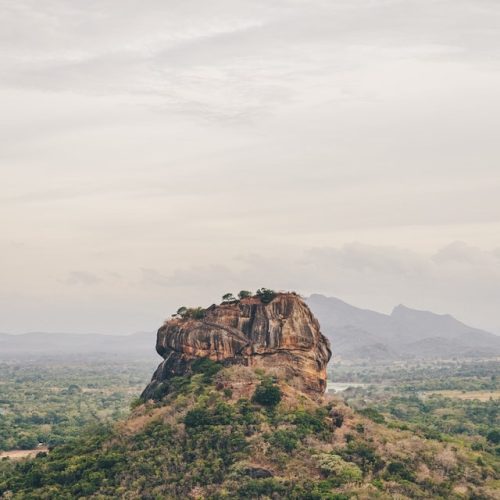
[282, 335]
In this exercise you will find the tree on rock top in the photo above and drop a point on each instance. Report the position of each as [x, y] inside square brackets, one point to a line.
[266, 295]
[228, 297]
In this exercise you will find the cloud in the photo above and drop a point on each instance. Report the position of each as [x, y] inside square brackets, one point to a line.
[234, 61]
[82, 278]
[377, 277]
[195, 276]
[196, 147]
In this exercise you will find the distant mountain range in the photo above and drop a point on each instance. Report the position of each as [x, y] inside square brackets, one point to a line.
[404, 334]
[355, 334]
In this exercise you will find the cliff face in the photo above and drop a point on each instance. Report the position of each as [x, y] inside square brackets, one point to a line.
[282, 336]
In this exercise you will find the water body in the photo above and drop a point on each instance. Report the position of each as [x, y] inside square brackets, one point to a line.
[342, 386]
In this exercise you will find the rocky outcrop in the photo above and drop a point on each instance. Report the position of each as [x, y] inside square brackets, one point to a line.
[282, 336]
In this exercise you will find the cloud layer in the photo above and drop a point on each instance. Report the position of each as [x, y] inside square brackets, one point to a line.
[159, 152]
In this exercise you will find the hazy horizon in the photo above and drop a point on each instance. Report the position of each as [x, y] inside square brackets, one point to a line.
[156, 154]
[387, 313]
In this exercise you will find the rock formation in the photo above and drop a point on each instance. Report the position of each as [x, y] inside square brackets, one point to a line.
[282, 335]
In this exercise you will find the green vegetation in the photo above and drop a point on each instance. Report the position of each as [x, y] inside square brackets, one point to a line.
[265, 295]
[228, 297]
[49, 401]
[267, 393]
[191, 312]
[208, 438]
[432, 408]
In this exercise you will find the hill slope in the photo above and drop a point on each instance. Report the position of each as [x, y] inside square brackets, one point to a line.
[214, 437]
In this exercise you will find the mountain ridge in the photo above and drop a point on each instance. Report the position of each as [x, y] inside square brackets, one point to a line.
[355, 333]
[404, 333]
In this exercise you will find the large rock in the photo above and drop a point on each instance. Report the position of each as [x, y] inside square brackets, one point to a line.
[282, 336]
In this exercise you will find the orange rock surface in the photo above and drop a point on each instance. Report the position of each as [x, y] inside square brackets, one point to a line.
[282, 336]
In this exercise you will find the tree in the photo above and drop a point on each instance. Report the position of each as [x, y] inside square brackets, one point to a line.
[493, 436]
[228, 297]
[266, 295]
[267, 393]
[182, 311]
[244, 294]
[196, 312]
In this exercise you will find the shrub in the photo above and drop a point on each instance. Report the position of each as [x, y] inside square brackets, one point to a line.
[257, 488]
[135, 403]
[197, 313]
[360, 428]
[191, 312]
[243, 294]
[267, 394]
[362, 455]
[197, 417]
[228, 297]
[310, 423]
[399, 469]
[373, 415]
[493, 436]
[337, 418]
[266, 295]
[221, 414]
[287, 440]
[206, 366]
[340, 471]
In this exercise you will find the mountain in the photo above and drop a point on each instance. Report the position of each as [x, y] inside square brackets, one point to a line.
[404, 334]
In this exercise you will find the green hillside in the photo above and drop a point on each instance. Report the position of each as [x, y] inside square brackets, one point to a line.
[235, 433]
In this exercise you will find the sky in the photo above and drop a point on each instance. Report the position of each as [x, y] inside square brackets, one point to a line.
[155, 154]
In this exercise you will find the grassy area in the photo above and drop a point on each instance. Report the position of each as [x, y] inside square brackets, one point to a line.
[469, 395]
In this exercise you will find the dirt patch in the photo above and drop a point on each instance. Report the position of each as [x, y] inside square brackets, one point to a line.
[20, 454]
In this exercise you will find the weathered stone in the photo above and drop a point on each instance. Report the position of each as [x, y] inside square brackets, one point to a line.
[282, 336]
[257, 473]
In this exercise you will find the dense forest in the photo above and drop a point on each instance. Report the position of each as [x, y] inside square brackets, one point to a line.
[48, 401]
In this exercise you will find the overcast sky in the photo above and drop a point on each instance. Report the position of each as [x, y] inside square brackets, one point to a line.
[160, 153]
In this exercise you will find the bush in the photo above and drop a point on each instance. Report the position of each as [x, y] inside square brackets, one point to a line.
[362, 455]
[399, 469]
[244, 294]
[340, 471]
[191, 312]
[373, 415]
[206, 366]
[285, 439]
[267, 394]
[256, 488]
[135, 403]
[265, 295]
[337, 418]
[310, 423]
[221, 414]
[493, 436]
